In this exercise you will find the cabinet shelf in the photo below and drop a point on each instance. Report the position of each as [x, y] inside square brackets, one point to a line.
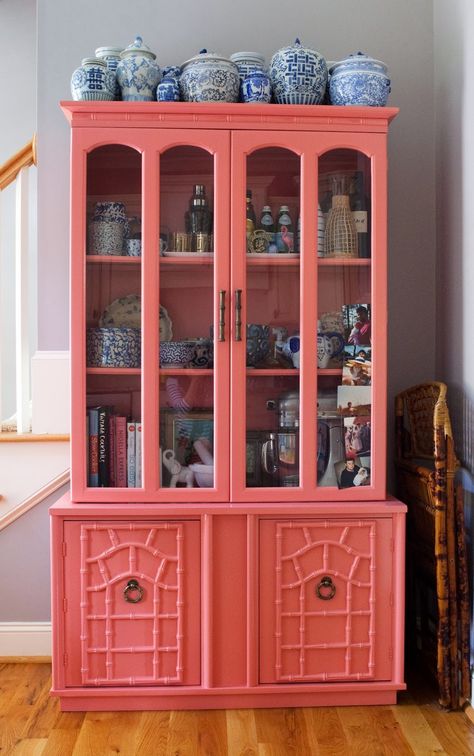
[289, 371]
[355, 262]
[186, 371]
[113, 259]
[112, 371]
[192, 259]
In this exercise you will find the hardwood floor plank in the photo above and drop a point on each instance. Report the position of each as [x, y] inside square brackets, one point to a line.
[152, 733]
[212, 733]
[361, 737]
[61, 742]
[417, 731]
[182, 734]
[107, 733]
[29, 747]
[284, 729]
[241, 732]
[327, 729]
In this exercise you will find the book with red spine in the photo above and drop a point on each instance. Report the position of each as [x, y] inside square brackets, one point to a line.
[121, 451]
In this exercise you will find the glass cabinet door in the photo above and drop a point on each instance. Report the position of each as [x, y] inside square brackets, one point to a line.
[193, 332]
[309, 317]
[109, 239]
[350, 359]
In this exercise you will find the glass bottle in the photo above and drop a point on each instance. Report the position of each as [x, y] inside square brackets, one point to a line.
[285, 240]
[266, 219]
[360, 213]
[199, 218]
[251, 218]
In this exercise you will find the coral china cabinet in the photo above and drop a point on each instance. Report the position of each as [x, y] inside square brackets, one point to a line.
[228, 540]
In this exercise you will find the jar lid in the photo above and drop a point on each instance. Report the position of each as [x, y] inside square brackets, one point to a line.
[266, 209]
[103, 52]
[298, 47]
[209, 57]
[284, 209]
[355, 59]
[138, 47]
[93, 62]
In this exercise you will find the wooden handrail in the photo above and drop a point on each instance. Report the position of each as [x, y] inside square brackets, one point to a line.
[22, 159]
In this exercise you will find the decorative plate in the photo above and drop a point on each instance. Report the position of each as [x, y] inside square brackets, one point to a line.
[127, 312]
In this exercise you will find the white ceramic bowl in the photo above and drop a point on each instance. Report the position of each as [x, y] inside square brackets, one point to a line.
[204, 475]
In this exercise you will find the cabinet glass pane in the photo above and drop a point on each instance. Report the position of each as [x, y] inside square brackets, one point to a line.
[273, 317]
[344, 348]
[186, 318]
[113, 317]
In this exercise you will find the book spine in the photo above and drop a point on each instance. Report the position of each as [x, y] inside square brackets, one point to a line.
[131, 455]
[138, 455]
[121, 452]
[93, 448]
[112, 454]
[103, 448]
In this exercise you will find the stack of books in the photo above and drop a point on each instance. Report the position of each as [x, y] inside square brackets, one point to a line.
[114, 449]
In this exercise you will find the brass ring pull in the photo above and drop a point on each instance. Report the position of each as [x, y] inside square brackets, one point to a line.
[326, 585]
[133, 592]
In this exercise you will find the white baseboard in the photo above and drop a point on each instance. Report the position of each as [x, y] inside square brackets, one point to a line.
[25, 638]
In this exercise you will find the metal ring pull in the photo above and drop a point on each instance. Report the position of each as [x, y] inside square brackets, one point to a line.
[222, 315]
[133, 587]
[326, 585]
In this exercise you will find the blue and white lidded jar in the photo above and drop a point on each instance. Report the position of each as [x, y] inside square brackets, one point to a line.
[247, 62]
[298, 75]
[359, 80]
[92, 81]
[174, 71]
[111, 56]
[137, 73]
[168, 89]
[256, 87]
[209, 77]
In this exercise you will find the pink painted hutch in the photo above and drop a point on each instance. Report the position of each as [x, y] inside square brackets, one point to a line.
[263, 564]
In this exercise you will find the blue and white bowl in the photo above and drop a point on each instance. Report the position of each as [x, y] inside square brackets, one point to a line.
[209, 78]
[137, 73]
[256, 87]
[113, 347]
[247, 62]
[359, 80]
[176, 353]
[93, 81]
[298, 75]
[109, 211]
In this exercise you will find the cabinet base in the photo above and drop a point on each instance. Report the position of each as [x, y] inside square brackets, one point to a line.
[124, 699]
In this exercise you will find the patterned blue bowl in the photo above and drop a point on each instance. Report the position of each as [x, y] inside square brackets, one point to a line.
[258, 343]
[113, 347]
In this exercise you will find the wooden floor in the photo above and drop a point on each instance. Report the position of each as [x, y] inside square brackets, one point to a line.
[31, 724]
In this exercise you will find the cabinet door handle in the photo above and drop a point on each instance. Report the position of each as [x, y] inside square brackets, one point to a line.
[238, 317]
[325, 589]
[222, 294]
[133, 592]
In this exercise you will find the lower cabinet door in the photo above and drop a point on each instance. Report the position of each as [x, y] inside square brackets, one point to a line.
[325, 600]
[132, 603]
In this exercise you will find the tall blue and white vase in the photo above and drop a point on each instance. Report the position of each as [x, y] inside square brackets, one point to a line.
[137, 73]
[298, 75]
[111, 57]
[92, 81]
[256, 87]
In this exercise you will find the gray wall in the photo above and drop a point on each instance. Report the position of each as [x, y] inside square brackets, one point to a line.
[399, 33]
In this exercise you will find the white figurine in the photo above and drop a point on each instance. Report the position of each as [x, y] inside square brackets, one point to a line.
[361, 477]
[179, 473]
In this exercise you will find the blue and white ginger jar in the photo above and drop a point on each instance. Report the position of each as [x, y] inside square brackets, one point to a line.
[111, 58]
[256, 87]
[168, 89]
[174, 71]
[359, 80]
[298, 75]
[93, 81]
[247, 62]
[137, 73]
[209, 77]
